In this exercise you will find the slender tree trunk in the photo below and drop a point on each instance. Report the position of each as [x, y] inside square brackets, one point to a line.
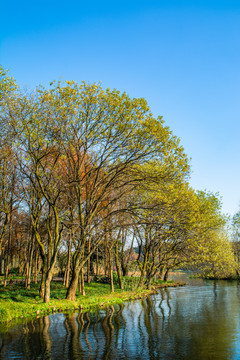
[30, 268]
[97, 262]
[105, 258]
[29, 265]
[111, 270]
[42, 285]
[6, 269]
[26, 277]
[82, 282]
[143, 267]
[68, 264]
[118, 268]
[1, 262]
[64, 277]
[6, 261]
[24, 265]
[79, 283]
[143, 271]
[36, 266]
[88, 262]
[19, 262]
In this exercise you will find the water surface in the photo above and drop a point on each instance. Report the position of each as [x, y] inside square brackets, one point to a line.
[198, 321]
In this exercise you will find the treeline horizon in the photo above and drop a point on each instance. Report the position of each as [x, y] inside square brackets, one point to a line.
[87, 174]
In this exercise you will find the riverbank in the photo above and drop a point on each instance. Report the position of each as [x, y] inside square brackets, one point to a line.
[17, 303]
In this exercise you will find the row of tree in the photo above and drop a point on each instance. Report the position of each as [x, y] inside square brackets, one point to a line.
[90, 173]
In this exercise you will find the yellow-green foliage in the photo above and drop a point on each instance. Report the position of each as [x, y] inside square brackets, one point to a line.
[84, 155]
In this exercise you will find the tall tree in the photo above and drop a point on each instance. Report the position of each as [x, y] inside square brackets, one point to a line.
[108, 139]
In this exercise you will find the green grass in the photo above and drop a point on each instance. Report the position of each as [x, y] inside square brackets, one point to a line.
[17, 303]
[12, 277]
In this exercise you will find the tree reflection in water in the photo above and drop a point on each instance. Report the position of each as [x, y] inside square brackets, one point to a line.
[185, 323]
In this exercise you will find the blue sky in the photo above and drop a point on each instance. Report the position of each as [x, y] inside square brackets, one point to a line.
[182, 56]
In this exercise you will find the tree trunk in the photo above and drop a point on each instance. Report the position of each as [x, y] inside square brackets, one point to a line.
[47, 287]
[1, 264]
[105, 258]
[6, 260]
[26, 277]
[67, 271]
[64, 277]
[148, 282]
[71, 291]
[125, 270]
[161, 273]
[42, 285]
[29, 266]
[82, 282]
[79, 283]
[6, 268]
[141, 280]
[143, 267]
[1, 260]
[111, 270]
[88, 263]
[36, 267]
[97, 262]
[166, 275]
[118, 268]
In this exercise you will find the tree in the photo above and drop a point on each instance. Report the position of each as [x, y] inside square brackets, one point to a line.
[92, 167]
[105, 144]
[8, 170]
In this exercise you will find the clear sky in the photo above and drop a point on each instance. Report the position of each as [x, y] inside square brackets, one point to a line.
[183, 56]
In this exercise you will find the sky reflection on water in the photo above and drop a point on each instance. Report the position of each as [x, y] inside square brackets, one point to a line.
[193, 322]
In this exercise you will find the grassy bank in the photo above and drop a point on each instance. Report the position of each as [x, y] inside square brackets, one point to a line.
[17, 303]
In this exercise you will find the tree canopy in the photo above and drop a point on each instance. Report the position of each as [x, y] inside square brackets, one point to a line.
[88, 168]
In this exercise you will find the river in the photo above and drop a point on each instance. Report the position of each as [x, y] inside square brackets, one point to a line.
[200, 321]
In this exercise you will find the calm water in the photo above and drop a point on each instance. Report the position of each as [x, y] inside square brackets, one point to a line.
[198, 321]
